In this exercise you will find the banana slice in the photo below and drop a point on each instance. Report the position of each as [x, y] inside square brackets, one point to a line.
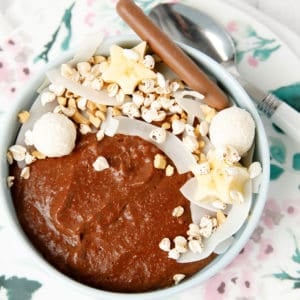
[126, 71]
[225, 182]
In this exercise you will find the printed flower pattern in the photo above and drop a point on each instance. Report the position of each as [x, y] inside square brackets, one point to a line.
[250, 45]
[285, 275]
[15, 288]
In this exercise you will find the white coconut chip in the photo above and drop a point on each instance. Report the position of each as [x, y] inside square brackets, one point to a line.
[223, 246]
[256, 182]
[189, 101]
[87, 48]
[110, 125]
[172, 146]
[43, 86]
[236, 217]
[99, 97]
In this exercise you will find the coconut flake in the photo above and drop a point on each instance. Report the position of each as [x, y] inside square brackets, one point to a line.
[172, 146]
[191, 106]
[223, 246]
[43, 85]
[256, 183]
[87, 48]
[236, 217]
[110, 125]
[99, 97]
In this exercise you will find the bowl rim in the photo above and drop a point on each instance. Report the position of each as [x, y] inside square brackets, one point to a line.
[212, 268]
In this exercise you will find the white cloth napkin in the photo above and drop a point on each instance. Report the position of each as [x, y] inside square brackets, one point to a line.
[16, 15]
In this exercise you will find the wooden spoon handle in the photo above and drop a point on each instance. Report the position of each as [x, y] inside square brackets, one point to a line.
[171, 54]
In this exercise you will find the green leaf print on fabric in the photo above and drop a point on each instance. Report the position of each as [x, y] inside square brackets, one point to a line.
[297, 285]
[264, 54]
[66, 21]
[290, 94]
[239, 56]
[278, 151]
[250, 45]
[296, 255]
[278, 155]
[283, 275]
[296, 161]
[276, 171]
[276, 128]
[19, 288]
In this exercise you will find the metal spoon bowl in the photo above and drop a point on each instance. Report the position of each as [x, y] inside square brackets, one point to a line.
[198, 30]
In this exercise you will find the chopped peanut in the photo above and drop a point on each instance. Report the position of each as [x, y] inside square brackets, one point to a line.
[23, 116]
[160, 161]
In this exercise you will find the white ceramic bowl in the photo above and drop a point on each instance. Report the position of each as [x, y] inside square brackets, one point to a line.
[9, 131]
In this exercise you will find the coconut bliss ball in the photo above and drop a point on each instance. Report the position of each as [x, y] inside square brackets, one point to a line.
[233, 126]
[54, 135]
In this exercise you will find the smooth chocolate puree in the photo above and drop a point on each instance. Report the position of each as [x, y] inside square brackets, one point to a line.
[104, 228]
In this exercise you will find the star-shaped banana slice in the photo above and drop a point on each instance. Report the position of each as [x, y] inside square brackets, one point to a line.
[126, 67]
[224, 182]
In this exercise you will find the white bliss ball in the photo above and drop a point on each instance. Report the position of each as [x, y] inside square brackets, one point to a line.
[233, 126]
[54, 135]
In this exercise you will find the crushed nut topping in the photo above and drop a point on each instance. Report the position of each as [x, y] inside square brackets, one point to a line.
[160, 161]
[254, 169]
[173, 254]
[29, 159]
[180, 244]
[38, 154]
[9, 158]
[206, 226]
[203, 128]
[10, 181]
[18, 152]
[100, 135]
[196, 246]
[221, 218]
[100, 164]
[57, 89]
[85, 129]
[25, 173]
[178, 211]
[178, 126]
[165, 244]
[194, 231]
[23, 116]
[178, 278]
[169, 170]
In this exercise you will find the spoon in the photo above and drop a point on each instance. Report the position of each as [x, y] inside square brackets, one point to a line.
[198, 30]
[171, 54]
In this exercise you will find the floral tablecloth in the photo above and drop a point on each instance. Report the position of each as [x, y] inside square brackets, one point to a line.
[269, 265]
